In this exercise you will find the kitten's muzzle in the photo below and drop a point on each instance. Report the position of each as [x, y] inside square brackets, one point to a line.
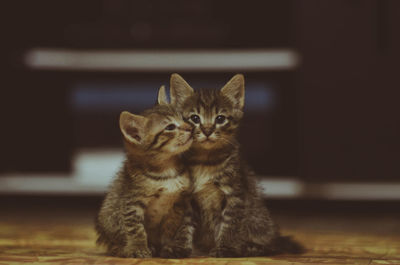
[186, 127]
[188, 131]
[207, 130]
[189, 139]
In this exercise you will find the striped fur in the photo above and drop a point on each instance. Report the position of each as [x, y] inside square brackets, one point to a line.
[232, 219]
[146, 211]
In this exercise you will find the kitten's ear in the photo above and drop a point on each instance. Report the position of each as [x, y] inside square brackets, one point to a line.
[180, 90]
[162, 96]
[132, 126]
[234, 90]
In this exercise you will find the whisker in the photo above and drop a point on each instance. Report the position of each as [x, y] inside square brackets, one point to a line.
[228, 141]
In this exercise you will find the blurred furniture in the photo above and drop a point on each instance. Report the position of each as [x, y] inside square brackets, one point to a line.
[321, 83]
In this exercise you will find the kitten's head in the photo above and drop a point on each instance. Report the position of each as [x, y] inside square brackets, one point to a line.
[214, 113]
[158, 131]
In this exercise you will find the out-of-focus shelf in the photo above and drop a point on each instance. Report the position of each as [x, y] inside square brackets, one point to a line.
[161, 60]
[274, 188]
[95, 169]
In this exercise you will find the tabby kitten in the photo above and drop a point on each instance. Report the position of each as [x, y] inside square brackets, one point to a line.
[232, 219]
[145, 213]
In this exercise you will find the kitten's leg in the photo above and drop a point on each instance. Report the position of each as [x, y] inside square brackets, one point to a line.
[181, 245]
[227, 240]
[244, 230]
[136, 237]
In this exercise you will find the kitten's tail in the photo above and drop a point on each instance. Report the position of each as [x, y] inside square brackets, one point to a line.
[287, 245]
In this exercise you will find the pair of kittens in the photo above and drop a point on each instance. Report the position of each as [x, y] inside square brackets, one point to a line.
[184, 186]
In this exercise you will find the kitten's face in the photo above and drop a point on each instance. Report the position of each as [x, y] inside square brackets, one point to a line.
[213, 117]
[160, 131]
[214, 114]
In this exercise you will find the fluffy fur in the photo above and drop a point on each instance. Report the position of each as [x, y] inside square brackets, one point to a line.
[231, 216]
[146, 211]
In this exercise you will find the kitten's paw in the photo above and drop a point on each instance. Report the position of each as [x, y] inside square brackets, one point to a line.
[175, 251]
[142, 253]
[137, 252]
[221, 252]
[153, 251]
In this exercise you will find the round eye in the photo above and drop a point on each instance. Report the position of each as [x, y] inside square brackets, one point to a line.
[220, 119]
[170, 127]
[195, 118]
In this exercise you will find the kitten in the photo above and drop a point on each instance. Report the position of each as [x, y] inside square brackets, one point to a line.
[145, 213]
[233, 220]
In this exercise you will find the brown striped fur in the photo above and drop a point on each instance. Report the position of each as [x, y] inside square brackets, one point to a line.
[146, 211]
[232, 219]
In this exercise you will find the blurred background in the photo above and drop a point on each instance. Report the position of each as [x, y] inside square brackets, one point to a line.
[322, 89]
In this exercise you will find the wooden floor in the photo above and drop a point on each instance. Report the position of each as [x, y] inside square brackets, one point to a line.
[60, 231]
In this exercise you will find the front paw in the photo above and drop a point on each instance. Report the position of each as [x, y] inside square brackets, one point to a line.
[137, 252]
[175, 251]
[221, 252]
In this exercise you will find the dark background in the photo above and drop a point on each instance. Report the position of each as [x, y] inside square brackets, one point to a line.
[335, 117]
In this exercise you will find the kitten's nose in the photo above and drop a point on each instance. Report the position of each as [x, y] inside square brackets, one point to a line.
[207, 130]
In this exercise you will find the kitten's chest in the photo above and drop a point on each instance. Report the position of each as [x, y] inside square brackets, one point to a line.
[163, 197]
[206, 193]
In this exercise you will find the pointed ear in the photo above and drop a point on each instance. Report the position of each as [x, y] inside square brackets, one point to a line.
[234, 90]
[180, 90]
[132, 126]
[162, 96]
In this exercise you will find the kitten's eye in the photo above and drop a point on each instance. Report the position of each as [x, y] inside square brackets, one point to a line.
[195, 118]
[220, 119]
[170, 127]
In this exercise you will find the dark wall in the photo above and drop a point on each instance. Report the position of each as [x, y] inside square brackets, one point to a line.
[349, 85]
[338, 114]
